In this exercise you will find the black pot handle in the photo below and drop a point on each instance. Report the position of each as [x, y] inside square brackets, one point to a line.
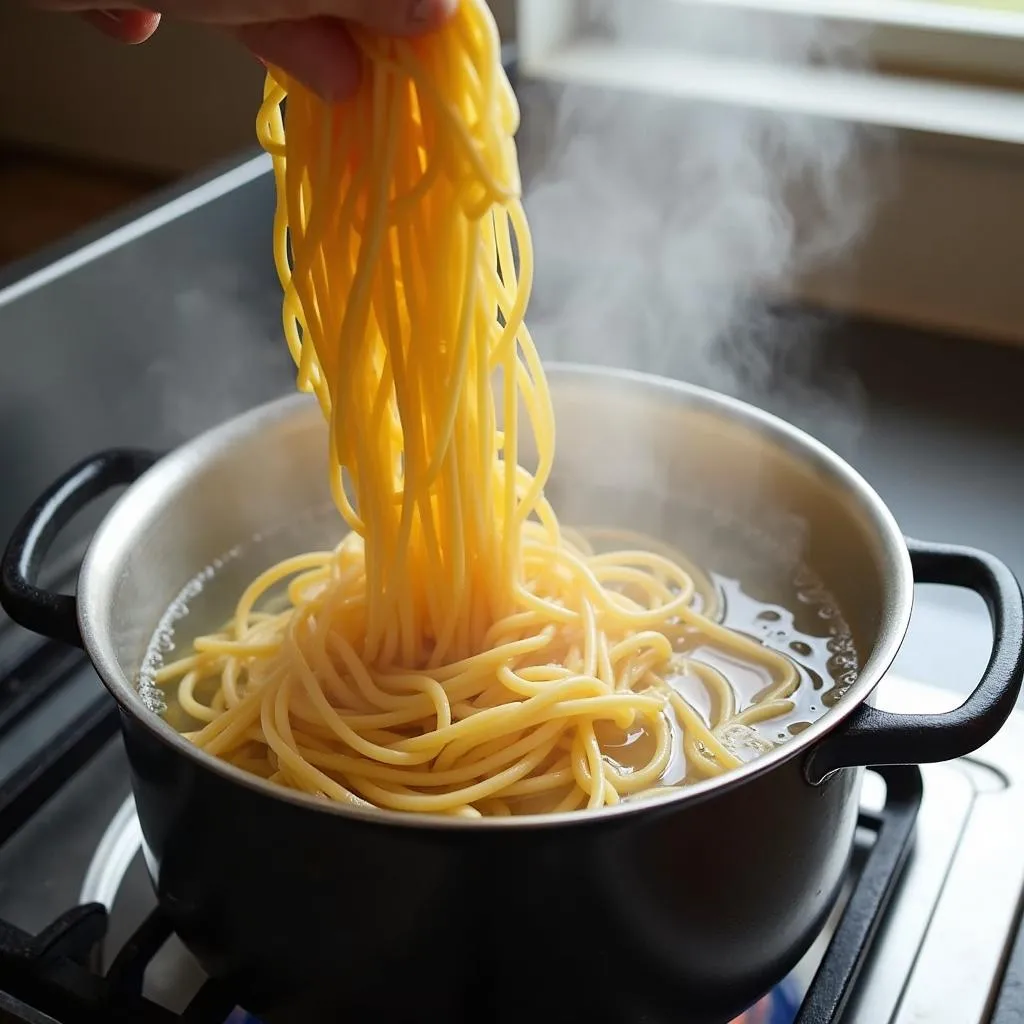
[50, 614]
[873, 737]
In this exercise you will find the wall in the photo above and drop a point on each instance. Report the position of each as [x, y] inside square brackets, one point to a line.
[69, 90]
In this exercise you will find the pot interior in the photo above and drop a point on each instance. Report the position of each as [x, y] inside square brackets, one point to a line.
[819, 560]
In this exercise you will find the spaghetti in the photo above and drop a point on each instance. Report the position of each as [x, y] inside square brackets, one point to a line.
[459, 652]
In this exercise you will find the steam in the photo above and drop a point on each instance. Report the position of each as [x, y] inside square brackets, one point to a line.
[665, 231]
[229, 354]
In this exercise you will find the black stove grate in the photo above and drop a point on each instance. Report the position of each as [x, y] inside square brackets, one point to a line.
[893, 827]
[49, 978]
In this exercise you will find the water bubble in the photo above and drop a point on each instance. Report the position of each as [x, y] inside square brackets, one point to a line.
[833, 696]
[163, 641]
[744, 742]
[684, 640]
[824, 653]
[840, 663]
[153, 702]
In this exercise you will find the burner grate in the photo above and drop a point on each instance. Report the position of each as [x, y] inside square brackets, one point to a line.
[837, 975]
[50, 978]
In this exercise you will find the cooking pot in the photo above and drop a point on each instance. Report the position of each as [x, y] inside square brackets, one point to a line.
[681, 908]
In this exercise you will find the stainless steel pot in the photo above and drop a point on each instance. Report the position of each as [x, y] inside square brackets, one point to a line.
[681, 909]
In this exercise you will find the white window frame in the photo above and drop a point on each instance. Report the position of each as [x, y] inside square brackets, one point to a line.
[948, 79]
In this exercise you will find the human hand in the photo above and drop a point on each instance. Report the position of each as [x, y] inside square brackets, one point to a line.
[308, 39]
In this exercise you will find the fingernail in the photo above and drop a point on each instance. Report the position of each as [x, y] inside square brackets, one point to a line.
[423, 12]
[114, 16]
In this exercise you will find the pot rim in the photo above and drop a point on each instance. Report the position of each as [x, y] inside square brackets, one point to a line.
[141, 496]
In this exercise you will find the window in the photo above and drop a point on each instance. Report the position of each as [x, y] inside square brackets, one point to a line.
[944, 78]
[951, 66]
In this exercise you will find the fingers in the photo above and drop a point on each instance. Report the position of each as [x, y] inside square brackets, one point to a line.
[318, 52]
[125, 26]
[397, 17]
[305, 38]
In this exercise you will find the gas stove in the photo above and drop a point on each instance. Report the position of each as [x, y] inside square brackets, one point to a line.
[926, 930]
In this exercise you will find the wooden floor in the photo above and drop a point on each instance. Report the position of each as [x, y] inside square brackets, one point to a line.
[44, 199]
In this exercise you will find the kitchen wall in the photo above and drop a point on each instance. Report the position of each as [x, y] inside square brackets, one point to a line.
[183, 100]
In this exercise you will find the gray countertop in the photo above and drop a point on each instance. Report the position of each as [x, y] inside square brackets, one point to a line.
[174, 325]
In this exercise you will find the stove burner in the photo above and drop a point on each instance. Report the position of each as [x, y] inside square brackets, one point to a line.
[780, 1006]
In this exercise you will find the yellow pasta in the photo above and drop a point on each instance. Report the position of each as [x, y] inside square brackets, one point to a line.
[459, 652]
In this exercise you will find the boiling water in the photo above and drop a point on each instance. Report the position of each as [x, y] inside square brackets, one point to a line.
[811, 633]
[775, 599]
